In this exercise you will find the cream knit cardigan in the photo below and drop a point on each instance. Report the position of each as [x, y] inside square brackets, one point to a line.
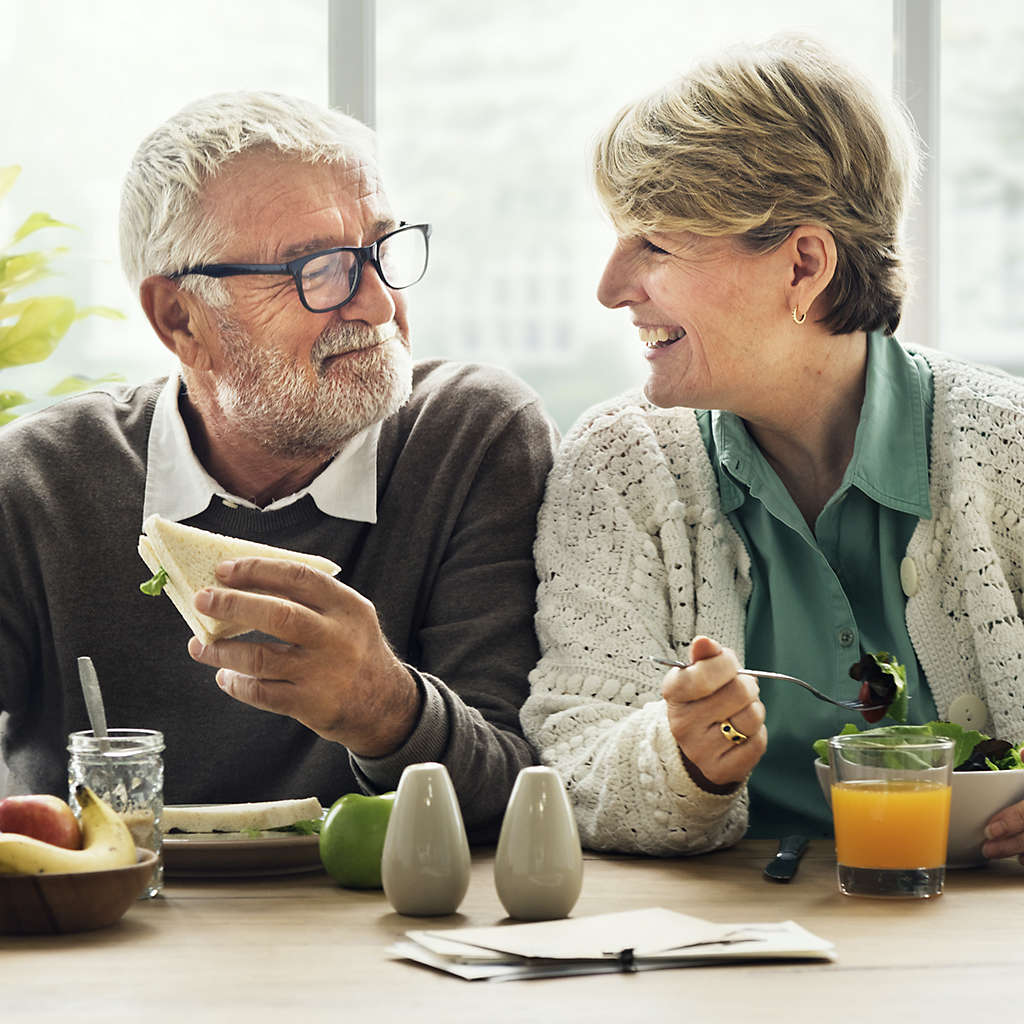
[635, 556]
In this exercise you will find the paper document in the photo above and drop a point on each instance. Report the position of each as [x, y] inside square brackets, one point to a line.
[629, 941]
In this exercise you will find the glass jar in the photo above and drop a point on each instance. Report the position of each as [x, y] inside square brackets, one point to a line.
[126, 771]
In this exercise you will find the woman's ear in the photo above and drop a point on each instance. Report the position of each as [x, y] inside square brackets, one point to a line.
[812, 252]
[176, 317]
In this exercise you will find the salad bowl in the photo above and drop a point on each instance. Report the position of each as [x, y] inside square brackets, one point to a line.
[976, 797]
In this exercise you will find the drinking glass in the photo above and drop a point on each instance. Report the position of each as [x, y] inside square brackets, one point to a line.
[890, 807]
[124, 769]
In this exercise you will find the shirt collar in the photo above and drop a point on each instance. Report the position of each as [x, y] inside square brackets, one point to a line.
[884, 466]
[178, 487]
[890, 453]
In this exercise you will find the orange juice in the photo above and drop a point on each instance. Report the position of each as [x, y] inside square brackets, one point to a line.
[893, 824]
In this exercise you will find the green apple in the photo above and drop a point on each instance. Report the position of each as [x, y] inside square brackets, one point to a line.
[352, 839]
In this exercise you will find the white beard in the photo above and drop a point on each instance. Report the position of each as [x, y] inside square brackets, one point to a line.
[270, 397]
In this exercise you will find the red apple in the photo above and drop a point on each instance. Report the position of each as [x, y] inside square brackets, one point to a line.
[41, 816]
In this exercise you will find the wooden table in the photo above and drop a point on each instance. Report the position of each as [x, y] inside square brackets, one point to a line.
[287, 948]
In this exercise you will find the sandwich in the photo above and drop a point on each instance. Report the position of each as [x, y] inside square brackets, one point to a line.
[183, 559]
[302, 816]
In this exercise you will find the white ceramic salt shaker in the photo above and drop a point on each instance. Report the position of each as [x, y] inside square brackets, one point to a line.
[538, 867]
[425, 864]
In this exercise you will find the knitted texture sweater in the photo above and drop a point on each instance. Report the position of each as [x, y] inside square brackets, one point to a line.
[448, 565]
[635, 557]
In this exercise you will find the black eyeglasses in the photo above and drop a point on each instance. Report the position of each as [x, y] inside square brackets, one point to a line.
[327, 280]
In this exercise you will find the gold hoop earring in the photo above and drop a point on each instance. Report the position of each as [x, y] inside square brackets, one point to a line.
[798, 319]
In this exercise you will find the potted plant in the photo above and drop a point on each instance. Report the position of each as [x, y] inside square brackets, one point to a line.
[31, 328]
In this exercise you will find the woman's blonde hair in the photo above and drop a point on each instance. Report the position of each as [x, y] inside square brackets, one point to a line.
[760, 141]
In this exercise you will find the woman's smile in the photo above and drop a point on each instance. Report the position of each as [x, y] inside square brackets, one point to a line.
[660, 337]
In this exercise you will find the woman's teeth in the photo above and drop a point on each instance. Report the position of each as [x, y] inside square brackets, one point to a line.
[660, 337]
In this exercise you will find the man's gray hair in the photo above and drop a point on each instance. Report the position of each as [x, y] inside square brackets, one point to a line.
[163, 226]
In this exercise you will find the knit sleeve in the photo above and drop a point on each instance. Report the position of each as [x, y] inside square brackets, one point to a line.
[615, 558]
[965, 609]
[474, 641]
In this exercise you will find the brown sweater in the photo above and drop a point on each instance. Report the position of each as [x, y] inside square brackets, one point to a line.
[448, 565]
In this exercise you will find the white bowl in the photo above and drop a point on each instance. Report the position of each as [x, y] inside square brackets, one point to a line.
[976, 797]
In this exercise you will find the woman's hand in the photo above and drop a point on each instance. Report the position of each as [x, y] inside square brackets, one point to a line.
[1005, 833]
[704, 698]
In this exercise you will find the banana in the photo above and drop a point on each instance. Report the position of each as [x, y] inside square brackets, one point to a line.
[106, 843]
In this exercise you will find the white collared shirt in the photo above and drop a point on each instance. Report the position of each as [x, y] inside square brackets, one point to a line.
[178, 487]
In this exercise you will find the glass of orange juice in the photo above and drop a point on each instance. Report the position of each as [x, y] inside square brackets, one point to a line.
[890, 807]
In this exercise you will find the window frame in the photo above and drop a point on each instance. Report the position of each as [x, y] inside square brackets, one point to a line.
[916, 67]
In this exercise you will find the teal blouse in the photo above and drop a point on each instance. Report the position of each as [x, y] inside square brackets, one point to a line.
[820, 599]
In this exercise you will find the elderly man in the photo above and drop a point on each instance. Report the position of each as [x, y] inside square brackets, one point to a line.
[269, 261]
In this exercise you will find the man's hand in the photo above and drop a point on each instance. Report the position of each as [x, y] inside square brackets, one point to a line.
[1005, 833]
[702, 697]
[334, 672]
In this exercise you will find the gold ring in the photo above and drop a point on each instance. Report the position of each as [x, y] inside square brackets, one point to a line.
[731, 733]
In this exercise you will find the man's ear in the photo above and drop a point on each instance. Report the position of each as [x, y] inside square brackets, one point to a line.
[812, 255]
[177, 318]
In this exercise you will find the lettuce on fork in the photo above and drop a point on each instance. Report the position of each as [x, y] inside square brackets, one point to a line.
[882, 679]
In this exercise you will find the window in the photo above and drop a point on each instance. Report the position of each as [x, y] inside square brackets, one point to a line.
[486, 113]
[981, 188]
[83, 84]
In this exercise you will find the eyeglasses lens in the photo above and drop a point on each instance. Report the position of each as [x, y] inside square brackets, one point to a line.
[403, 258]
[329, 279]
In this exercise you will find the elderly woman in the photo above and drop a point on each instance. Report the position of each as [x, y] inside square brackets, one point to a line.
[792, 489]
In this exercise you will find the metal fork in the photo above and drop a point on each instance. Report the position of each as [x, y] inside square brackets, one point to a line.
[850, 705]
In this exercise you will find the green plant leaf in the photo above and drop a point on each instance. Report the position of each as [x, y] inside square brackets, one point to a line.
[8, 176]
[35, 222]
[23, 268]
[69, 385]
[31, 329]
[9, 399]
[105, 311]
[13, 310]
[37, 331]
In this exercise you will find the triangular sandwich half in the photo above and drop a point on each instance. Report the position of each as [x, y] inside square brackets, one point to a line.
[188, 556]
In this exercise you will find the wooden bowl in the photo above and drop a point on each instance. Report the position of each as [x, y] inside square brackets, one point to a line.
[54, 904]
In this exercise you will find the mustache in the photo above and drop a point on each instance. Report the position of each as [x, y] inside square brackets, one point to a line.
[337, 339]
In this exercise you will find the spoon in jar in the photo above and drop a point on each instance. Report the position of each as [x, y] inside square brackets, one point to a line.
[93, 701]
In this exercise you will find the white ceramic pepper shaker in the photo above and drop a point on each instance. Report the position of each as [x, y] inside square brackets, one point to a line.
[538, 867]
[425, 864]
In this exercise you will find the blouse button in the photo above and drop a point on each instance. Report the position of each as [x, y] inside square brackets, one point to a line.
[908, 577]
[968, 711]
[846, 637]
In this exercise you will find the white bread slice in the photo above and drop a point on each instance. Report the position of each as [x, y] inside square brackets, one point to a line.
[194, 818]
[189, 556]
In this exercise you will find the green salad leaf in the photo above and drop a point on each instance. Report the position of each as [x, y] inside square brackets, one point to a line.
[884, 681]
[969, 745]
[307, 827]
[155, 584]
[821, 746]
